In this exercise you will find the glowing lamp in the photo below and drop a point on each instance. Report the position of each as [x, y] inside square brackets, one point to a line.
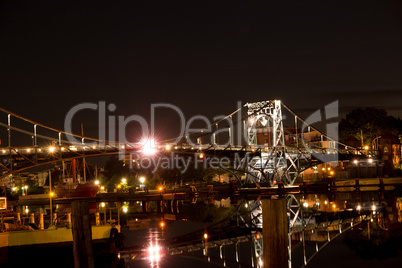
[148, 147]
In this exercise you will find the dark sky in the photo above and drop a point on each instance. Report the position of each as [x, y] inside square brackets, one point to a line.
[203, 56]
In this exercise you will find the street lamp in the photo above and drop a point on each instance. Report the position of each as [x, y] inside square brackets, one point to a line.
[123, 180]
[142, 181]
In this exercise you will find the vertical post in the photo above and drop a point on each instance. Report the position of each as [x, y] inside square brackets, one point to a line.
[2, 222]
[74, 170]
[224, 258]
[84, 166]
[169, 206]
[297, 137]
[252, 256]
[35, 139]
[118, 214]
[275, 232]
[82, 235]
[35, 145]
[83, 151]
[304, 248]
[41, 222]
[97, 218]
[230, 133]
[322, 142]
[237, 252]
[64, 170]
[175, 206]
[159, 206]
[69, 219]
[32, 218]
[9, 142]
[9, 130]
[297, 143]
[144, 206]
[50, 197]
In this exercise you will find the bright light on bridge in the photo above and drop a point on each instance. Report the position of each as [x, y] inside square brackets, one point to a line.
[52, 149]
[148, 147]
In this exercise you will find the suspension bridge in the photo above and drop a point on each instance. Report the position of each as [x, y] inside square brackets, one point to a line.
[274, 153]
[265, 153]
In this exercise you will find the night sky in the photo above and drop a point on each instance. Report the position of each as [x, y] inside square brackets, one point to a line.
[202, 56]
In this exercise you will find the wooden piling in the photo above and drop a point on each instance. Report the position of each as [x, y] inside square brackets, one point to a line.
[275, 232]
[82, 235]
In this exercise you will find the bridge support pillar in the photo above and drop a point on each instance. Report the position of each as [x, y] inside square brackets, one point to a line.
[275, 232]
[175, 206]
[144, 206]
[169, 206]
[159, 206]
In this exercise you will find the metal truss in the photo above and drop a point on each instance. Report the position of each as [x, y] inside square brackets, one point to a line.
[272, 162]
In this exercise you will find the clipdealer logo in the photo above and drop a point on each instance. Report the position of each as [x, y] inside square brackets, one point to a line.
[112, 129]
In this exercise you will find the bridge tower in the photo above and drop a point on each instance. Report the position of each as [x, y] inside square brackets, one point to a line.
[271, 161]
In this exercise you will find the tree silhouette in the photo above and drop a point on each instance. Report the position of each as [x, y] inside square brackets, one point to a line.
[367, 125]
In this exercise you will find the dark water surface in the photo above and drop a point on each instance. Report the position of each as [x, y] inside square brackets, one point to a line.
[376, 243]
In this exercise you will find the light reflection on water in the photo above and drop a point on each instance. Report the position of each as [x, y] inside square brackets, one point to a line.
[152, 239]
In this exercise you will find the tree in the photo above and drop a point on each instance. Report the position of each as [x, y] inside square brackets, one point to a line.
[115, 170]
[367, 125]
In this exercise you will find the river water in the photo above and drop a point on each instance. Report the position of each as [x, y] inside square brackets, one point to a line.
[376, 243]
[372, 243]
